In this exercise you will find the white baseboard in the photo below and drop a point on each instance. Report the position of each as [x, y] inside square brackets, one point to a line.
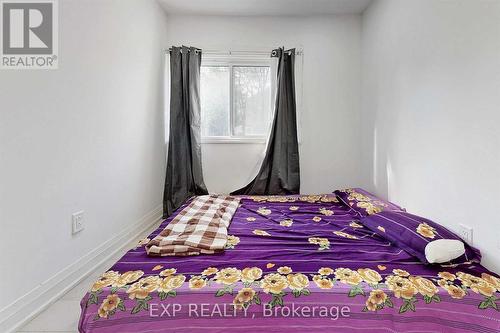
[26, 307]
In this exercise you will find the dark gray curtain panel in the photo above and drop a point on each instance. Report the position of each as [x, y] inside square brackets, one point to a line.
[280, 171]
[184, 177]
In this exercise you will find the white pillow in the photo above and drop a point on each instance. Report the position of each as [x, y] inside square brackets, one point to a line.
[444, 250]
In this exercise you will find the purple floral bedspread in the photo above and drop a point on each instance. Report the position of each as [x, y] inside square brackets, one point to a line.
[292, 264]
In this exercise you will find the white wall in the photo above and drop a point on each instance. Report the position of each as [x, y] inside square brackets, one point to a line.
[431, 97]
[329, 151]
[87, 136]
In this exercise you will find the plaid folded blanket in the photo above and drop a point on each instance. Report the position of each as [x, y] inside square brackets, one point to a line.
[200, 228]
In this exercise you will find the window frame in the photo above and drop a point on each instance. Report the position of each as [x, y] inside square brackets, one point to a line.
[240, 61]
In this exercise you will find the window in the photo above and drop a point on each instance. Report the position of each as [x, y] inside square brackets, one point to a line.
[236, 100]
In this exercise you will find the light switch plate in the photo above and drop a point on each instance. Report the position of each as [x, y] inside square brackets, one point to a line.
[465, 233]
[77, 223]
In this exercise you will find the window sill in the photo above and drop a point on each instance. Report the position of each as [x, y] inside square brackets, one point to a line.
[226, 140]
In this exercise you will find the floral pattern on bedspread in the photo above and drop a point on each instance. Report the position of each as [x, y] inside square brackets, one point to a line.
[247, 286]
[283, 250]
[364, 203]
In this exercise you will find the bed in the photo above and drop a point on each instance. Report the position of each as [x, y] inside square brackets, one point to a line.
[291, 264]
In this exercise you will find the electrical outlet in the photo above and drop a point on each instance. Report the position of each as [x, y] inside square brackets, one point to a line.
[466, 233]
[77, 222]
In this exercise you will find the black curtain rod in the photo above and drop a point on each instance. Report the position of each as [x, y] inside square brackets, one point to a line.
[196, 49]
[273, 53]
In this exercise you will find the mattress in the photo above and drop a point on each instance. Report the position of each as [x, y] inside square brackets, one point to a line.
[291, 264]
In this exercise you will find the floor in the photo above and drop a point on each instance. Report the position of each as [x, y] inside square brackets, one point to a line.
[63, 315]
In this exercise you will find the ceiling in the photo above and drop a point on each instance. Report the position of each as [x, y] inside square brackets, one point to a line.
[264, 7]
